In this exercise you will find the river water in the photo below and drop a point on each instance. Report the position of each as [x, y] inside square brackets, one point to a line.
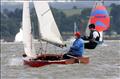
[104, 63]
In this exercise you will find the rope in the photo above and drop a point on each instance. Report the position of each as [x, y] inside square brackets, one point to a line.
[55, 49]
[46, 47]
[41, 47]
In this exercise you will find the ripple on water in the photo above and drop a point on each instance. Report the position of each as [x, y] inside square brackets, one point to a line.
[104, 64]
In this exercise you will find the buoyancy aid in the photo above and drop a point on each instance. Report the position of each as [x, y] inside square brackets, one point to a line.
[92, 36]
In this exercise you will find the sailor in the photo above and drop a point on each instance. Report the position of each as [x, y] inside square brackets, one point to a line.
[77, 49]
[93, 38]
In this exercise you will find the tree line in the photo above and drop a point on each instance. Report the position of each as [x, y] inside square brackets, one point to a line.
[11, 21]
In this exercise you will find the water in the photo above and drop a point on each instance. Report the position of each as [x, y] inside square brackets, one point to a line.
[104, 64]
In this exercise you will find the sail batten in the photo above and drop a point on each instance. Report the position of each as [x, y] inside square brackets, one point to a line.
[47, 26]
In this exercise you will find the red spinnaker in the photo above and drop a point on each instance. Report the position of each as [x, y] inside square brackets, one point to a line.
[100, 18]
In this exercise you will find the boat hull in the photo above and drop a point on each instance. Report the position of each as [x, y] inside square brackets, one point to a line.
[47, 59]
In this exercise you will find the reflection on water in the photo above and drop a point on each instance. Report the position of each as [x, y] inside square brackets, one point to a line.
[104, 64]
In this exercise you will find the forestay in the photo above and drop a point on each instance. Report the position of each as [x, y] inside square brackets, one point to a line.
[27, 36]
[47, 26]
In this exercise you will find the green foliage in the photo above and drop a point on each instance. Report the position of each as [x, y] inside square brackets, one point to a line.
[35, 24]
[115, 18]
[10, 23]
[71, 12]
[11, 20]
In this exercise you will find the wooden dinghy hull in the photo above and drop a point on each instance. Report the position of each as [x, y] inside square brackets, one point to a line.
[47, 59]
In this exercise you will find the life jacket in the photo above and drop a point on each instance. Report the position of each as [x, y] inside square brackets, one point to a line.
[91, 36]
[77, 49]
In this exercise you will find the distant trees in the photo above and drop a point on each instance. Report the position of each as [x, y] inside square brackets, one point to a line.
[74, 7]
[11, 21]
[84, 17]
[34, 23]
[60, 18]
[115, 19]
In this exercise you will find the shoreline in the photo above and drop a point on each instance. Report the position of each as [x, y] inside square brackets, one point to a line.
[45, 42]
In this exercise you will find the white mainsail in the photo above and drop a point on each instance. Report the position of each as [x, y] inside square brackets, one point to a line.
[75, 27]
[27, 36]
[47, 26]
[19, 36]
[101, 36]
[87, 32]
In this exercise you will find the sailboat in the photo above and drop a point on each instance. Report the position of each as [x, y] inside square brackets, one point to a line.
[49, 33]
[100, 17]
[19, 36]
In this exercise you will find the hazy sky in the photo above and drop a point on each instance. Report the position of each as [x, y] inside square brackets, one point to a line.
[11, 4]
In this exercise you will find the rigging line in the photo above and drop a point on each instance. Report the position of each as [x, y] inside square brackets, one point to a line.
[33, 30]
[33, 37]
[46, 47]
[55, 49]
[41, 47]
[40, 50]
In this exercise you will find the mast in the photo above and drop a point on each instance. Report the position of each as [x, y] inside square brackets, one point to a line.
[101, 33]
